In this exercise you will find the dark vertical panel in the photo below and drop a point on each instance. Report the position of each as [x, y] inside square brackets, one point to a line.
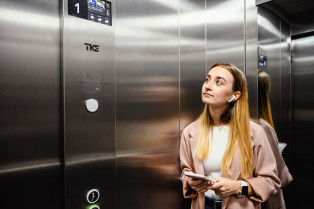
[147, 102]
[30, 142]
[302, 114]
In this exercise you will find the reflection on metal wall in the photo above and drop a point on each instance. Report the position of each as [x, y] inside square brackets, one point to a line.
[269, 43]
[274, 44]
[30, 164]
[147, 101]
[251, 37]
[302, 114]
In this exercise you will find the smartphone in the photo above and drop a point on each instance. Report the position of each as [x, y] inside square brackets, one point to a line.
[282, 146]
[198, 176]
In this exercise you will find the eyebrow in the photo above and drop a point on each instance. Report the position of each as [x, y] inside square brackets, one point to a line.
[219, 77]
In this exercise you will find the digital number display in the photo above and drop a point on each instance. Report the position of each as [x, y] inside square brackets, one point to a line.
[92, 10]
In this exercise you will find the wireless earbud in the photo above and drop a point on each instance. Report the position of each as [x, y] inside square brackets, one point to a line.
[231, 100]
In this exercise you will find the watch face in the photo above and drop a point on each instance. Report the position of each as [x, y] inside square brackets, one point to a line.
[245, 190]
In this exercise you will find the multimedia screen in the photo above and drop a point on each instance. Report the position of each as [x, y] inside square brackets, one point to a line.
[92, 10]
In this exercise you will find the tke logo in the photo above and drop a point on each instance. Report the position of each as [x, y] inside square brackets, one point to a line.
[91, 47]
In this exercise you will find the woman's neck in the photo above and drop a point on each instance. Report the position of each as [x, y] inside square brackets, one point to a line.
[216, 114]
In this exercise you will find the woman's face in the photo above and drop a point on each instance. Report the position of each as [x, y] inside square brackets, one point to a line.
[218, 87]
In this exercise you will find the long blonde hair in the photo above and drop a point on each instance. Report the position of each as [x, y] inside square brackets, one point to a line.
[264, 109]
[237, 115]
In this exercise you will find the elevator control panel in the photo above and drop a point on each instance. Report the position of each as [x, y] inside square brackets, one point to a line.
[92, 196]
[92, 10]
[262, 58]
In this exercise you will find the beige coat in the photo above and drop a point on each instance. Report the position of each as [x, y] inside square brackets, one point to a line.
[264, 182]
[276, 201]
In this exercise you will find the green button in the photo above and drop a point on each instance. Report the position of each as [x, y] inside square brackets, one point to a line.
[93, 207]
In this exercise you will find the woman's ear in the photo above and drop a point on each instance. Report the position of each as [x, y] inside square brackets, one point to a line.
[237, 95]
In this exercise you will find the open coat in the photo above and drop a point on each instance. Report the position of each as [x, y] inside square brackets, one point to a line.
[264, 181]
[276, 201]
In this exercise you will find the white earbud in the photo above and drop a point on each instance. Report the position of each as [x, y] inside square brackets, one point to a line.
[231, 100]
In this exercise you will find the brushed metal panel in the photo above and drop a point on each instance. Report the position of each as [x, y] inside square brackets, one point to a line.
[302, 114]
[269, 41]
[251, 65]
[192, 59]
[30, 164]
[225, 32]
[147, 103]
[274, 39]
[89, 136]
[286, 120]
[192, 64]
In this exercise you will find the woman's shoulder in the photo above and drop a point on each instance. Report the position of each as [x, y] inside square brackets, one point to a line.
[192, 127]
[254, 125]
[255, 128]
[265, 124]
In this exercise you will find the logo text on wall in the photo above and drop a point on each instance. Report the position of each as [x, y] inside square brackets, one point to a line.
[92, 47]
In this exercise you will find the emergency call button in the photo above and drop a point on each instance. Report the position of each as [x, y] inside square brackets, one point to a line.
[92, 196]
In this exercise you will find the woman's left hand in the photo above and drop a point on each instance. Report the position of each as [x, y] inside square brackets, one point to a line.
[225, 187]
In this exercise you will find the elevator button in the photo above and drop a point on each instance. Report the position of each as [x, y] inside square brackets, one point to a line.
[91, 105]
[92, 196]
[93, 207]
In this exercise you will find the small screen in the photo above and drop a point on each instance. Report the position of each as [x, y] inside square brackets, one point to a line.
[92, 10]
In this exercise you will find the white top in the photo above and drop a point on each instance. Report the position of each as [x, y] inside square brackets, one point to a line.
[213, 161]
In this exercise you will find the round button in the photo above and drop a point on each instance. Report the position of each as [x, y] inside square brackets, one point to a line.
[92, 196]
[93, 207]
[91, 105]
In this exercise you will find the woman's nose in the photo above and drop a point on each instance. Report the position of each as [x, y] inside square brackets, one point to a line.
[208, 84]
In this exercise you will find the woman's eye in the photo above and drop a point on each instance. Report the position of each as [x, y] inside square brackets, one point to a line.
[219, 83]
[206, 80]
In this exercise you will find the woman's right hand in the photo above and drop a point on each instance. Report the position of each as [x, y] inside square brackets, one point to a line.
[199, 185]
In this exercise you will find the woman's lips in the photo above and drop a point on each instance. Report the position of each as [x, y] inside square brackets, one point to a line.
[207, 94]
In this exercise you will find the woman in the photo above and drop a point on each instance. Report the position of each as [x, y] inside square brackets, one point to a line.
[227, 147]
[276, 200]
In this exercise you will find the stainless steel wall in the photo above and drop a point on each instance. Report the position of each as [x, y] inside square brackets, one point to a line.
[193, 66]
[89, 137]
[147, 79]
[147, 104]
[30, 143]
[302, 114]
[225, 40]
[274, 41]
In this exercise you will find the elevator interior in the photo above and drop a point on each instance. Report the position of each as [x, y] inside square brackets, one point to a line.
[94, 96]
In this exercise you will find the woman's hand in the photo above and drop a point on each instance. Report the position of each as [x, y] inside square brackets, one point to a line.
[199, 185]
[225, 187]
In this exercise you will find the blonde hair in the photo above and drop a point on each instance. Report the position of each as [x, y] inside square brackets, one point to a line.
[264, 109]
[237, 115]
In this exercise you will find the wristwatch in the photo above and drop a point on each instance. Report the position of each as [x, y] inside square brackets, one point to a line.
[244, 189]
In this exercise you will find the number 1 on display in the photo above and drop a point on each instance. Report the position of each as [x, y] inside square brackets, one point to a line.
[77, 8]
